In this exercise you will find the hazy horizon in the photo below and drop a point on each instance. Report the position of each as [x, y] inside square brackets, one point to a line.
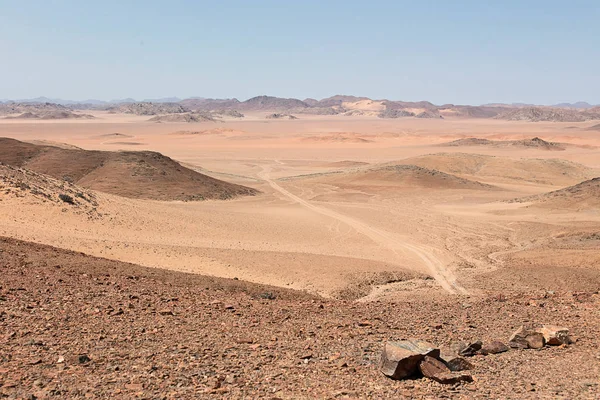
[466, 52]
[168, 99]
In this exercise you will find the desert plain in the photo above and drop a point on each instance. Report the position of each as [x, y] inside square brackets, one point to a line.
[444, 229]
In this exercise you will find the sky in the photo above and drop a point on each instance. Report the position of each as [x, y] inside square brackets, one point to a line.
[461, 51]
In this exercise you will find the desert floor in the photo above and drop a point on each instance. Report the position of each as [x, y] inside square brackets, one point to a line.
[355, 234]
[383, 232]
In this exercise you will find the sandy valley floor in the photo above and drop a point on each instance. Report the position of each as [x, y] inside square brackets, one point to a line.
[372, 229]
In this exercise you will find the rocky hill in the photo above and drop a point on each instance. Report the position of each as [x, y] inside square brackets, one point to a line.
[337, 100]
[535, 142]
[77, 326]
[148, 108]
[48, 115]
[394, 176]
[33, 108]
[584, 195]
[334, 105]
[210, 104]
[395, 113]
[471, 111]
[27, 185]
[537, 114]
[594, 128]
[184, 117]
[398, 105]
[271, 104]
[550, 171]
[143, 174]
[280, 116]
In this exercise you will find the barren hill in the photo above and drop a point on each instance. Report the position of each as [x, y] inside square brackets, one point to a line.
[541, 171]
[395, 113]
[582, 195]
[397, 175]
[144, 108]
[78, 326]
[281, 116]
[25, 184]
[536, 142]
[470, 111]
[345, 164]
[33, 108]
[396, 105]
[536, 114]
[184, 117]
[271, 103]
[210, 104]
[48, 115]
[594, 128]
[146, 174]
[337, 100]
[311, 102]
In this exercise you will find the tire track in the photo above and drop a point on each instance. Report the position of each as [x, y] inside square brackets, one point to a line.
[437, 268]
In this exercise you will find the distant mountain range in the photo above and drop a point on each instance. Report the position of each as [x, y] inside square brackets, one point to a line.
[265, 101]
[343, 105]
[579, 104]
[91, 101]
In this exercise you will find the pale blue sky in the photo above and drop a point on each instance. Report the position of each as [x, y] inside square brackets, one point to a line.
[462, 51]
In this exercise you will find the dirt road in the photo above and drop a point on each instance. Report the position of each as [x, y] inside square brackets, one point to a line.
[436, 267]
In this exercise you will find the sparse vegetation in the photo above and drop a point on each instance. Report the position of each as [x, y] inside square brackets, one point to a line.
[268, 296]
[66, 198]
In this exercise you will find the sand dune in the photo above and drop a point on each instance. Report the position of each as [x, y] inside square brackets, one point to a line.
[364, 105]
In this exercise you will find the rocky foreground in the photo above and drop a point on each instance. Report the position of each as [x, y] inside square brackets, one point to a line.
[74, 326]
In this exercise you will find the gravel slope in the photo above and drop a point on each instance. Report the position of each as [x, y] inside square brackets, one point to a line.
[75, 326]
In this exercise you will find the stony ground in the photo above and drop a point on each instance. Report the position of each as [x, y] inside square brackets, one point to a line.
[73, 326]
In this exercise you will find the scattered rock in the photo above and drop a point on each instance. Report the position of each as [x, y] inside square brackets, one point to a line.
[431, 367]
[136, 387]
[458, 364]
[436, 370]
[453, 377]
[535, 340]
[281, 116]
[401, 359]
[166, 312]
[83, 359]
[456, 347]
[554, 335]
[526, 338]
[494, 347]
[471, 349]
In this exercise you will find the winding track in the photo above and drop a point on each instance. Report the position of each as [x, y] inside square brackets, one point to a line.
[437, 268]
